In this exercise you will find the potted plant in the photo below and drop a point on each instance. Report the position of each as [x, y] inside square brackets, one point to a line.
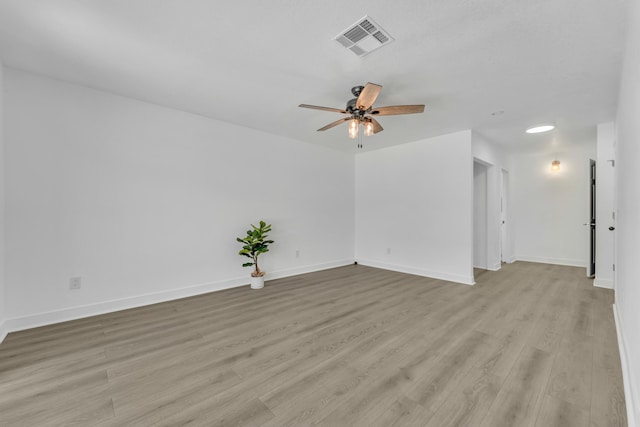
[254, 244]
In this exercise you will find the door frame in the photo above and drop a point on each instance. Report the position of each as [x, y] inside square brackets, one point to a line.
[505, 256]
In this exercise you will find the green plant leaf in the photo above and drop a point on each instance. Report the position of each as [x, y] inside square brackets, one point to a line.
[255, 242]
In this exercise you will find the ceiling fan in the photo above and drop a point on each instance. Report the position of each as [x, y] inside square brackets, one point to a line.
[360, 110]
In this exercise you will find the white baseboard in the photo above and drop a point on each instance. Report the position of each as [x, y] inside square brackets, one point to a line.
[495, 267]
[631, 395]
[458, 278]
[603, 283]
[556, 261]
[488, 268]
[73, 313]
[512, 259]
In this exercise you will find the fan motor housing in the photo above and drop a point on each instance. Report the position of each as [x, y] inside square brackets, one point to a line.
[353, 109]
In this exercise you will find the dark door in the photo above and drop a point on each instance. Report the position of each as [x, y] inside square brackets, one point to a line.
[592, 221]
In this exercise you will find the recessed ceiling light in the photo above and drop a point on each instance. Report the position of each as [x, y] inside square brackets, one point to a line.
[540, 128]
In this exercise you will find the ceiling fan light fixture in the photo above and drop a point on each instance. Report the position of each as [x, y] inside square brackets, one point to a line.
[368, 128]
[540, 128]
[353, 128]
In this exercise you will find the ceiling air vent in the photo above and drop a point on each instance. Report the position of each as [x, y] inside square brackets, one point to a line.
[364, 37]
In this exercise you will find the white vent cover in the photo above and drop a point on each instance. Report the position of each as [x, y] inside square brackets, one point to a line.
[364, 37]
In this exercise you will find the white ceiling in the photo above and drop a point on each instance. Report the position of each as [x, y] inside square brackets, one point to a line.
[252, 62]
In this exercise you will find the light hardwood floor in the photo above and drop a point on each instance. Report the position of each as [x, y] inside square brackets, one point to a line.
[529, 345]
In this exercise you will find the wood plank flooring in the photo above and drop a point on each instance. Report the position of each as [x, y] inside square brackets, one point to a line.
[529, 345]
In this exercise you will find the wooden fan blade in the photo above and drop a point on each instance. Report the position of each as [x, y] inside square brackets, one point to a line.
[397, 109]
[336, 123]
[368, 96]
[315, 107]
[377, 127]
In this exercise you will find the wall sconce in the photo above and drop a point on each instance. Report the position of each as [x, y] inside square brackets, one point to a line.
[555, 166]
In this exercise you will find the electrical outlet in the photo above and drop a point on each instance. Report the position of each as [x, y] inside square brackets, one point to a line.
[75, 283]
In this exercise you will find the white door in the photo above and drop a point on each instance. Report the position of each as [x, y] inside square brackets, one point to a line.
[591, 266]
[504, 226]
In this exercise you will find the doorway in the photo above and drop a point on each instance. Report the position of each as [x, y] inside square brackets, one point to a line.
[480, 215]
[591, 267]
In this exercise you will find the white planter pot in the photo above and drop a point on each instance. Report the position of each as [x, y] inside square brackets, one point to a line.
[257, 282]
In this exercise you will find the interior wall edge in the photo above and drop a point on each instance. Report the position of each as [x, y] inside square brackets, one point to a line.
[3, 330]
[3, 302]
[457, 278]
[487, 267]
[631, 394]
[79, 312]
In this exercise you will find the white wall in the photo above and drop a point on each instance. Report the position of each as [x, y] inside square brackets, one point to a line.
[479, 215]
[551, 208]
[414, 208]
[496, 161]
[627, 280]
[144, 202]
[3, 331]
[605, 187]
